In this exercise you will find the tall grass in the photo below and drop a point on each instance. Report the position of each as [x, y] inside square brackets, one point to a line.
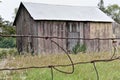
[4, 52]
[107, 71]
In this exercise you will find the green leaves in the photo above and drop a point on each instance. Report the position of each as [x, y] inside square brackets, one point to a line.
[7, 29]
[101, 5]
[7, 42]
[78, 48]
[114, 12]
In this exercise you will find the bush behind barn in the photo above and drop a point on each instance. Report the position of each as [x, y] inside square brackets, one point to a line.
[7, 42]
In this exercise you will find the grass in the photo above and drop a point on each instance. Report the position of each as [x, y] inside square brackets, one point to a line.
[107, 71]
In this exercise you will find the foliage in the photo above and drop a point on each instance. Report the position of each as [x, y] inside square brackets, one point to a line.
[15, 12]
[4, 53]
[114, 12]
[7, 29]
[1, 22]
[101, 5]
[78, 48]
[7, 42]
[83, 48]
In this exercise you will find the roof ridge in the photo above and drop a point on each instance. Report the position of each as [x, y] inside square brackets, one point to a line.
[69, 5]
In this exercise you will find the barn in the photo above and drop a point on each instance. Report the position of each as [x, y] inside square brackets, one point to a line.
[61, 21]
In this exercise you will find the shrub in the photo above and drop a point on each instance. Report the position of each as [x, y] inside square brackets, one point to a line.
[3, 54]
[13, 52]
[8, 52]
[79, 48]
[83, 48]
[7, 42]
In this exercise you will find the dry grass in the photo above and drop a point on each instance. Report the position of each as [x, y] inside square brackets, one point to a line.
[107, 71]
[53, 59]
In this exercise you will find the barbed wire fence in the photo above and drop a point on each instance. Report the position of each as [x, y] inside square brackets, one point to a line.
[72, 64]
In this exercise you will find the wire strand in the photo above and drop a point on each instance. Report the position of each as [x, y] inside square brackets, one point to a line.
[55, 67]
[96, 70]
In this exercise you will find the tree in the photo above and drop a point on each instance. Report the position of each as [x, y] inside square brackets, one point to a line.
[114, 12]
[7, 28]
[15, 12]
[1, 21]
[101, 5]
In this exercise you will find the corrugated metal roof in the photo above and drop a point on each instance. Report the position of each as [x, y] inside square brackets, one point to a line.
[41, 11]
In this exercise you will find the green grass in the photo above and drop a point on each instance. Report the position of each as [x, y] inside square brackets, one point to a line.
[107, 71]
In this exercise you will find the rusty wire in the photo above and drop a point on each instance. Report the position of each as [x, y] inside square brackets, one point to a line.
[56, 37]
[114, 48]
[96, 70]
[52, 75]
[53, 67]
[49, 66]
[67, 56]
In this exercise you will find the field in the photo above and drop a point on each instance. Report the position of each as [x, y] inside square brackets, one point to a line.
[107, 71]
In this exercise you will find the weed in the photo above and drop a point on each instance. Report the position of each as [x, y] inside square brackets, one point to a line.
[79, 48]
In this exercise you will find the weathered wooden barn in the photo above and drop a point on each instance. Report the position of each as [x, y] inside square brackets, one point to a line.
[116, 32]
[61, 21]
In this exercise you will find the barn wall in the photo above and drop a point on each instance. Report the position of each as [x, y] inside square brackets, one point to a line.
[116, 31]
[82, 31]
[25, 25]
[19, 25]
[60, 29]
[101, 30]
[51, 28]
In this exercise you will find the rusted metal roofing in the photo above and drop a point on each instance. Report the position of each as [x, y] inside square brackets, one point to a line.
[39, 11]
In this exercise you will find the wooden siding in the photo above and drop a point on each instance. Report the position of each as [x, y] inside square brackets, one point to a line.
[101, 30]
[25, 25]
[51, 28]
[19, 30]
[116, 32]
[82, 31]
[60, 29]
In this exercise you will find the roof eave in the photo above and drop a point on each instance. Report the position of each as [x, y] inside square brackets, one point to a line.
[73, 20]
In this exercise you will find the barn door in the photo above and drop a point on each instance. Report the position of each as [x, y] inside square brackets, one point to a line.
[73, 31]
[72, 42]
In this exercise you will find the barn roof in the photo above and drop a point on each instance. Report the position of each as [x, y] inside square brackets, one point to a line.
[39, 11]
